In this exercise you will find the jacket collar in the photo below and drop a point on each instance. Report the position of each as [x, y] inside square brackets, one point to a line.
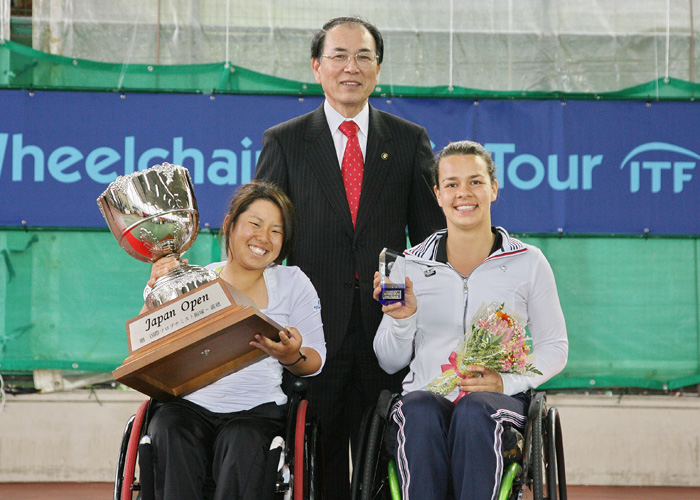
[428, 249]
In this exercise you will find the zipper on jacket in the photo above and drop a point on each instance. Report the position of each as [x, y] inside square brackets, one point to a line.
[465, 293]
[465, 290]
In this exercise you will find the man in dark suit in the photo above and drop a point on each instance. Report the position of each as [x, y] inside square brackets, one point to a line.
[338, 245]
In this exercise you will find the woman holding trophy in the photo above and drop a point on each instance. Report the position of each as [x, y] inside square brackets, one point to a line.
[225, 428]
[469, 281]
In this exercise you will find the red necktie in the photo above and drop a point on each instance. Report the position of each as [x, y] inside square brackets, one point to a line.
[352, 167]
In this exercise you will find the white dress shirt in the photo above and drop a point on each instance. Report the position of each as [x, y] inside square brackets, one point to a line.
[334, 119]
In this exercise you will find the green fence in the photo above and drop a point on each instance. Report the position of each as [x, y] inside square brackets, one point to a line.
[631, 303]
[65, 296]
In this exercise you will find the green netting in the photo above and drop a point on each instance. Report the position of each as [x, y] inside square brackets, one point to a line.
[631, 304]
[632, 310]
[31, 69]
[65, 297]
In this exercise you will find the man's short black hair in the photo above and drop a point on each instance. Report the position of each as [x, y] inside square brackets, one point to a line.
[320, 36]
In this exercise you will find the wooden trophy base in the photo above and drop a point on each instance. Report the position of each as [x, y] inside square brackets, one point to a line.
[192, 341]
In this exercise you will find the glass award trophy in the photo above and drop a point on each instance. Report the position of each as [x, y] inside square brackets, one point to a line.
[392, 277]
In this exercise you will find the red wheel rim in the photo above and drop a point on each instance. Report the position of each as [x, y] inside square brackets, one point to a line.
[299, 448]
[130, 463]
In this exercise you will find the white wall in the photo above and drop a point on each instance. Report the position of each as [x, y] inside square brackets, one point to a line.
[630, 440]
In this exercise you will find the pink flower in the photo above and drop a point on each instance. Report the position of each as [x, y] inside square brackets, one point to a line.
[495, 340]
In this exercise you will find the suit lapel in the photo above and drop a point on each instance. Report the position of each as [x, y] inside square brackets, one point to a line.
[321, 156]
[377, 161]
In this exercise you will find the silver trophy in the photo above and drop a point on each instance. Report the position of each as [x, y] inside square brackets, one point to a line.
[153, 213]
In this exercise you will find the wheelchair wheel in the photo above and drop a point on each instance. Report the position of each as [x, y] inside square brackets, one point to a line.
[121, 461]
[537, 452]
[536, 469]
[299, 451]
[544, 458]
[359, 459]
[313, 458]
[370, 477]
[125, 476]
[307, 456]
[373, 475]
[557, 475]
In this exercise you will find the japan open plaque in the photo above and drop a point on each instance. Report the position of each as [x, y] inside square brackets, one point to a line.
[192, 341]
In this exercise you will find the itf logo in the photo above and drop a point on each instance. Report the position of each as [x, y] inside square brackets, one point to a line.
[659, 173]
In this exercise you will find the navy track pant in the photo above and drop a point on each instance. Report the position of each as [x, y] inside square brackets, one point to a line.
[441, 444]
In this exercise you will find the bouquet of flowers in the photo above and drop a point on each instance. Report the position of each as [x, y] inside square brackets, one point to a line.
[496, 340]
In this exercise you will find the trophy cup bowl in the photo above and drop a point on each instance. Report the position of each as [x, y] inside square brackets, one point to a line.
[152, 214]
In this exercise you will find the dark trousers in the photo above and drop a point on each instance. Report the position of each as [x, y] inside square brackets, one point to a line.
[349, 384]
[439, 443]
[191, 444]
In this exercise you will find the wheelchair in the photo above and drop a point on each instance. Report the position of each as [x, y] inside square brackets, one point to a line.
[534, 462]
[293, 466]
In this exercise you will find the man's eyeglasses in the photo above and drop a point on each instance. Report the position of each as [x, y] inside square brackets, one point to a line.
[341, 59]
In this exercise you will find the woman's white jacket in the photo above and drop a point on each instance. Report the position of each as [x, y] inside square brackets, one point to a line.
[517, 275]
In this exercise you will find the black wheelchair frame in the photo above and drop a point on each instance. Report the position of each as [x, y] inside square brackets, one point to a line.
[535, 463]
[293, 467]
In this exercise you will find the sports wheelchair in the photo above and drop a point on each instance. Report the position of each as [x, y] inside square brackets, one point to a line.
[535, 461]
[293, 466]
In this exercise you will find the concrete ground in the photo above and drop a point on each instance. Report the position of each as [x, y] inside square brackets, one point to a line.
[103, 491]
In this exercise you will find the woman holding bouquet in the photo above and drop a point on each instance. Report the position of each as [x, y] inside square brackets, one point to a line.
[456, 439]
[224, 429]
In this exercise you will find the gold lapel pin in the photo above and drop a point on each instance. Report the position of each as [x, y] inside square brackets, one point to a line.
[385, 156]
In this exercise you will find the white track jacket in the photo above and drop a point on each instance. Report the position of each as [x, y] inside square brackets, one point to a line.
[517, 275]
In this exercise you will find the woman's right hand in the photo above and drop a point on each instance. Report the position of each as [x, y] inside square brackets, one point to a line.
[397, 310]
[163, 266]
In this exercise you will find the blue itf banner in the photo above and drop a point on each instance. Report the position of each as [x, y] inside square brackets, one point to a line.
[579, 166]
